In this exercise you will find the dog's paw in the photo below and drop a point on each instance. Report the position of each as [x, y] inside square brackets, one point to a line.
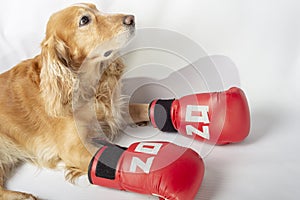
[73, 173]
[7, 194]
[139, 124]
[29, 197]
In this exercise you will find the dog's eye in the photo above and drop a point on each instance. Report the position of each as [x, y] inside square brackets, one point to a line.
[84, 21]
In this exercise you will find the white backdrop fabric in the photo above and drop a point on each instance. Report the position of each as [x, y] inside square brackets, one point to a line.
[261, 38]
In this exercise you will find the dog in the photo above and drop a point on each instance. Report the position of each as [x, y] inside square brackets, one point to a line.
[53, 105]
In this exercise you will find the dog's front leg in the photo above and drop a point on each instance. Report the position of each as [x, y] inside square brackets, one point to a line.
[139, 113]
[76, 148]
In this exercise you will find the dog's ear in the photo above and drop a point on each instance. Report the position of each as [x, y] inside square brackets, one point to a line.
[57, 50]
[56, 77]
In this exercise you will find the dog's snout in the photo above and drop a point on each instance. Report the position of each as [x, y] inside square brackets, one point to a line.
[128, 20]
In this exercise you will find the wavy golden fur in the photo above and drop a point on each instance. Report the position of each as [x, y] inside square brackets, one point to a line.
[47, 102]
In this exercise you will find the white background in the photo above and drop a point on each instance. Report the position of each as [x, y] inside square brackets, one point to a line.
[262, 38]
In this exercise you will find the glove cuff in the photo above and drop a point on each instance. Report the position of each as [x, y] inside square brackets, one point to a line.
[160, 115]
[104, 163]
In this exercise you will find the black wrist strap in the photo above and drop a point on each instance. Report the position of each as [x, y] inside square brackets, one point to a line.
[162, 115]
[107, 162]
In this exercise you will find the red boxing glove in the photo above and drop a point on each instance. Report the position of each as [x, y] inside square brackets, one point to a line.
[157, 168]
[218, 117]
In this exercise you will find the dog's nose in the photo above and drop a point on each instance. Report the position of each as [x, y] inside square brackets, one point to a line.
[128, 20]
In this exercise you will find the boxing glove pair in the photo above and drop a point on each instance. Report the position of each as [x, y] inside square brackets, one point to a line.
[164, 169]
